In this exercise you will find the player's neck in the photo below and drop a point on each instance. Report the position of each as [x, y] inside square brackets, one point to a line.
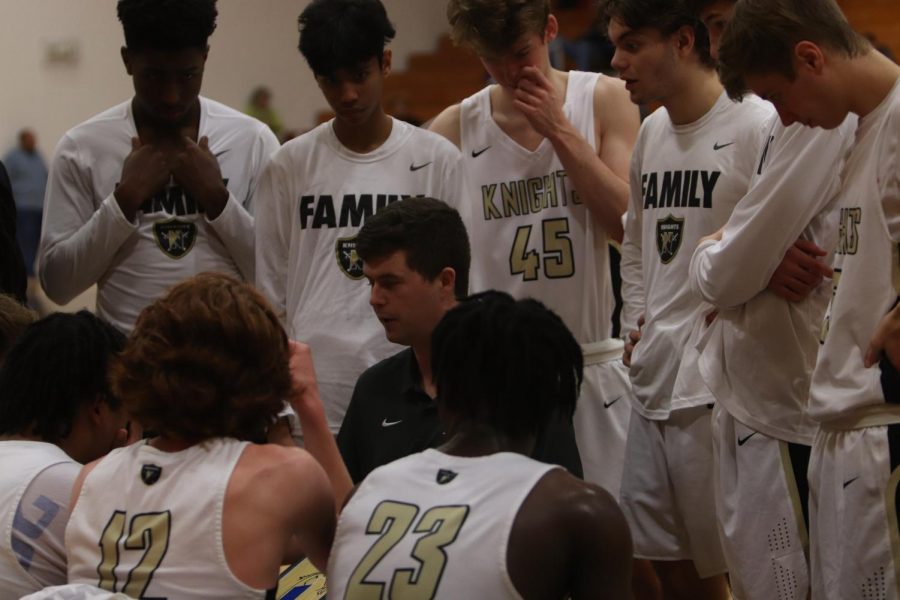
[170, 444]
[478, 439]
[365, 137]
[698, 92]
[868, 80]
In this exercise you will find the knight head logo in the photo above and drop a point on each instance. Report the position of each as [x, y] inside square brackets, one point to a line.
[445, 476]
[150, 473]
[348, 260]
[175, 238]
[669, 232]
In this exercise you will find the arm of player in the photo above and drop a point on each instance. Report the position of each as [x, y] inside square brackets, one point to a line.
[800, 182]
[600, 177]
[272, 230]
[317, 436]
[602, 546]
[79, 240]
[313, 518]
[886, 340]
[631, 266]
[447, 125]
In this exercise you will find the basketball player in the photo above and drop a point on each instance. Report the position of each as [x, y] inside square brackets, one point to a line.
[692, 163]
[158, 188]
[322, 186]
[545, 157]
[56, 412]
[806, 59]
[201, 511]
[475, 518]
[761, 349]
[416, 257]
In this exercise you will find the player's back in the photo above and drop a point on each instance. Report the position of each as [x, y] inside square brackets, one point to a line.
[149, 523]
[432, 525]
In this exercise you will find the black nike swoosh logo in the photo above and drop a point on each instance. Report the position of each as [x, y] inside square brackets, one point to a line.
[849, 481]
[476, 154]
[743, 440]
[608, 404]
[415, 167]
[716, 145]
[218, 154]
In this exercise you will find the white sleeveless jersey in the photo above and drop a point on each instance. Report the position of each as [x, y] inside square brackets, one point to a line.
[20, 534]
[761, 349]
[313, 200]
[432, 525]
[685, 181]
[530, 234]
[866, 270]
[86, 238]
[148, 523]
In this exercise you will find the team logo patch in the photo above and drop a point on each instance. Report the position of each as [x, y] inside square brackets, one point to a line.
[174, 237]
[150, 473]
[668, 237]
[445, 476]
[348, 260]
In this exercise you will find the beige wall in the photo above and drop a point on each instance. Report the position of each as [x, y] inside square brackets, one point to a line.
[255, 43]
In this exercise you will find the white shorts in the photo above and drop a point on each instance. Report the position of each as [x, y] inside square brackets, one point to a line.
[602, 414]
[667, 490]
[761, 497]
[854, 547]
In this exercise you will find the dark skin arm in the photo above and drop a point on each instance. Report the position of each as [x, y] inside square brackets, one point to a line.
[197, 171]
[570, 539]
[145, 173]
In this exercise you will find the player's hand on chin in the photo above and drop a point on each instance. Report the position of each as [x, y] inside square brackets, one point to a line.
[303, 375]
[196, 170]
[537, 99]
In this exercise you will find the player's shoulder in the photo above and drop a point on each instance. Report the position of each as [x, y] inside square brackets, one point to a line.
[100, 128]
[447, 124]
[436, 143]
[610, 89]
[221, 119]
[572, 500]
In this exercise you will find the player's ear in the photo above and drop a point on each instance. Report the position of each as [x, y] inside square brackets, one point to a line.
[684, 39]
[551, 30]
[386, 61]
[125, 59]
[447, 278]
[808, 55]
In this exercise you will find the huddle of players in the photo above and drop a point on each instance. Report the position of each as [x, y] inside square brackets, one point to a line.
[722, 423]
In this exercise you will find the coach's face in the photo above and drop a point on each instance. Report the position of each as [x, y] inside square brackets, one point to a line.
[166, 83]
[408, 305]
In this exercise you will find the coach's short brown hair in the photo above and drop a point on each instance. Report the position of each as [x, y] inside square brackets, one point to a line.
[762, 35]
[209, 359]
[491, 27]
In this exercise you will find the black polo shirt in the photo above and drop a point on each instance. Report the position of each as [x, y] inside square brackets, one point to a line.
[390, 416]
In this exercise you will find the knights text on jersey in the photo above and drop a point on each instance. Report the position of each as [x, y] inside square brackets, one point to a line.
[446, 518]
[531, 235]
[685, 181]
[866, 272]
[313, 199]
[87, 239]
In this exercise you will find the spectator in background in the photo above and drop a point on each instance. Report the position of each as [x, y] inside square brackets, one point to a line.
[28, 177]
[12, 269]
[259, 106]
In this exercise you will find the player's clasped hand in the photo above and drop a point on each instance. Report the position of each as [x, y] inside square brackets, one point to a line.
[633, 338]
[539, 101]
[196, 170]
[144, 173]
[799, 272]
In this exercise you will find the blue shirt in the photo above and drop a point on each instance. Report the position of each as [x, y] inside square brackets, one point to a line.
[28, 176]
